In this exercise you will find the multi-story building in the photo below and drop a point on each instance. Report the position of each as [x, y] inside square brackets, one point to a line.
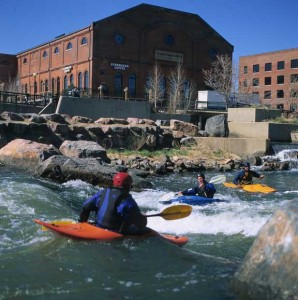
[273, 76]
[118, 53]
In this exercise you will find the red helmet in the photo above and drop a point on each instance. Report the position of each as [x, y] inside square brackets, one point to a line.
[122, 180]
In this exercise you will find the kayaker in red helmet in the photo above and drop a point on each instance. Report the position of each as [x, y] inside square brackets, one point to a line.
[115, 209]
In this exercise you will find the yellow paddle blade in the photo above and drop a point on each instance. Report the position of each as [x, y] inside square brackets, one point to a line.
[174, 212]
[59, 223]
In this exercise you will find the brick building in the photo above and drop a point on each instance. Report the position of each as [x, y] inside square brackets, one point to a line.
[273, 76]
[8, 70]
[119, 51]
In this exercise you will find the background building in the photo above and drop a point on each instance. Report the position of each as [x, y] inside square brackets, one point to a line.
[117, 53]
[273, 76]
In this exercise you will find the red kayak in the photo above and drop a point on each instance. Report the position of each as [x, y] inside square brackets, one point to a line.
[90, 232]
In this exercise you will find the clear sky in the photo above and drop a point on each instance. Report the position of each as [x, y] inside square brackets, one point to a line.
[251, 26]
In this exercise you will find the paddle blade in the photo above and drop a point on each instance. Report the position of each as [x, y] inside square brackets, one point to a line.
[166, 197]
[174, 212]
[218, 179]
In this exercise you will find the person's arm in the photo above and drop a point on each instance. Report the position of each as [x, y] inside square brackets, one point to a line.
[190, 192]
[131, 213]
[210, 190]
[257, 175]
[88, 206]
[237, 178]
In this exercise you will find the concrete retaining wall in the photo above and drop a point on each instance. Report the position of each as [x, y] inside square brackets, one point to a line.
[274, 131]
[252, 114]
[240, 146]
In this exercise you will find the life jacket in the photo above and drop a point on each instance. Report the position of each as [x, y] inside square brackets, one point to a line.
[247, 178]
[107, 216]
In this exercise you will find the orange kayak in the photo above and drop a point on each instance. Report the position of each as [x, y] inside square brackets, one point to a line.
[90, 232]
[252, 188]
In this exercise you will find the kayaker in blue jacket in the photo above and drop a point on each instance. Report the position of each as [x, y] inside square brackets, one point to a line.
[203, 189]
[115, 209]
[246, 176]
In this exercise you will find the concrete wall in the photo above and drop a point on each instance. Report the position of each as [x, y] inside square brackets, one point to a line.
[20, 109]
[239, 146]
[248, 114]
[94, 108]
[273, 131]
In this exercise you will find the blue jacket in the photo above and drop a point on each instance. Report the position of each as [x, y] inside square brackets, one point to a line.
[115, 209]
[208, 191]
[245, 177]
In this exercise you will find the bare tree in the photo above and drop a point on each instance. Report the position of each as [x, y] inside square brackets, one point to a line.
[221, 77]
[13, 85]
[190, 92]
[291, 91]
[155, 86]
[177, 78]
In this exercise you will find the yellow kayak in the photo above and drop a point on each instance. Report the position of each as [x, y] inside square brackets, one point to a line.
[252, 188]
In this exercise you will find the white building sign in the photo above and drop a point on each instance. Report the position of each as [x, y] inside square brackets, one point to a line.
[116, 66]
[168, 56]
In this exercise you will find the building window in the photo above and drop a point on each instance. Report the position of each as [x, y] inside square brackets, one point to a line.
[45, 54]
[56, 51]
[169, 39]
[80, 81]
[267, 95]
[280, 79]
[256, 68]
[65, 86]
[46, 85]
[255, 82]
[53, 86]
[58, 85]
[293, 93]
[84, 41]
[294, 78]
[280, 93]
[41, 87]
[118, 84]
[186, 89]
[71, 82]
[294, 63]
[280, 106]
[69, 46]
[256, 93]
[245, 70]
[267, 80]
[86, 80]
[268, 67]
[132, 85]
[25, 60]
[280, 65]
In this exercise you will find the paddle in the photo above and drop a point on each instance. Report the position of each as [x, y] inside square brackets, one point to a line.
[170, 213]
[174, 212]
[219, 179]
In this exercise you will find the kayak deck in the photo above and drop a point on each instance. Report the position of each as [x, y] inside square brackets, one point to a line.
[252, 188]
[87, 231]
[191, 200]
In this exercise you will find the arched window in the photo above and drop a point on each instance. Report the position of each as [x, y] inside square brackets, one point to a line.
[163, 86]
[86, 80]
[84, 41]
[56, 51]
[132, 85]
[65, 86]
[69, 46]
[118, 84]
[58, 85]
[45, 54]
[25, 60]
[80, 81]
[71, 82]
[53, 86]
[46, 85]
[41, 86]
[186, 89]
[26, 88]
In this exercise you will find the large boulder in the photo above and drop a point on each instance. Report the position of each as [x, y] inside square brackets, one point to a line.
[217, 126]
[270, 268]
[25, 154]
[83, 149]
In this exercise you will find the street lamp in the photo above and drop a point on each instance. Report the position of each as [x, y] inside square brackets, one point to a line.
[100, 91]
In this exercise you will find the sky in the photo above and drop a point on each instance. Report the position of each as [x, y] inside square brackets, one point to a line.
[251, 26]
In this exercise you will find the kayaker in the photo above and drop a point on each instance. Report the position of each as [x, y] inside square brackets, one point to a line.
[115, 209]
[246, 176]
[203, 189]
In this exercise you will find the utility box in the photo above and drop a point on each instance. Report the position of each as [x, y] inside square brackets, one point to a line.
[210, 100]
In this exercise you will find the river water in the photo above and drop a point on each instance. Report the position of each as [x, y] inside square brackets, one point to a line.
[36, 264]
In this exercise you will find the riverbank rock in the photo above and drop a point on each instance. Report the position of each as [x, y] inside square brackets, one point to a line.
[25, 154]
[270, 268]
